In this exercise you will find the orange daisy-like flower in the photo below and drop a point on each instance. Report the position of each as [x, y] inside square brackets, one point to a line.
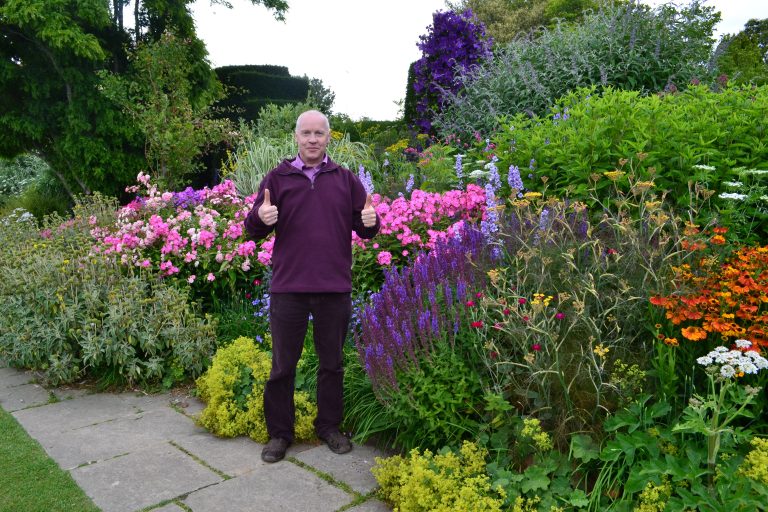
[694, 333]
[717, 240]
[720, 230]
[672, 342]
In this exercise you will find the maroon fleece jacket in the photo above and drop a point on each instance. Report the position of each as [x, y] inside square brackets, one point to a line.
[313, 233]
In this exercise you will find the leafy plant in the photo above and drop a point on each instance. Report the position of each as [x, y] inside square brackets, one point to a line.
[72, 314]
[233, 389]
[624, 45]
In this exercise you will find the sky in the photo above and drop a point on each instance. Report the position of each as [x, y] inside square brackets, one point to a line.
[360, 49]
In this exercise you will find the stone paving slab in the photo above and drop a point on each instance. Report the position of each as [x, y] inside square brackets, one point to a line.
[86, 445]
[232, 456]
[13, 378]
[142, 479]
[279, 487]
[76, 413]
[353, 468]
[17, 398]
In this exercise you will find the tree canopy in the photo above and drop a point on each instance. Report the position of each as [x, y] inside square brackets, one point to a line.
[51, 101]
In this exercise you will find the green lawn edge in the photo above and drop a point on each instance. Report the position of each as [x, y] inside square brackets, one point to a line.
[32, 481]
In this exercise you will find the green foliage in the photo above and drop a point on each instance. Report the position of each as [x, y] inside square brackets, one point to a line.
[558, 331]
[628, 47]
[442, 482]
[743, 61]
[252, 88]
[156, 94]
[435, 403]
[319, 96]
[687, 144]
[49, 89]
[233, 389]
[38, 482]
[507, 19]
[276, 121]
[19, 173]
[72, 314]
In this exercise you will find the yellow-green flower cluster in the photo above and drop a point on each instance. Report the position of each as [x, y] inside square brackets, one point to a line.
[755, 465]
[654, 497]
[218, 387]
[440, 483]
[532, 430]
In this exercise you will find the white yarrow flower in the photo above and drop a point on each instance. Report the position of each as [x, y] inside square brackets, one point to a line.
[732, 195]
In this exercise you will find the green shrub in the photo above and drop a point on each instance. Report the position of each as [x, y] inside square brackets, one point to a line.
[687, 144]
[627, 46]
[445, 482]
[72, 314]
[233, 389]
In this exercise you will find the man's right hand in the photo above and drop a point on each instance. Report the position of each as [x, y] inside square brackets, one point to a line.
[267, 212]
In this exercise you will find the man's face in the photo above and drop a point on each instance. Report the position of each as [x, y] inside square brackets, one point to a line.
[312, 137]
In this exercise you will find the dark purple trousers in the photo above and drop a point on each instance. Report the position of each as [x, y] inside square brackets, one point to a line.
[288, 320]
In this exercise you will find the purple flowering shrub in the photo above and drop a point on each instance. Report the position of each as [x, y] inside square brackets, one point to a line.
[454, 43]
[408, 342]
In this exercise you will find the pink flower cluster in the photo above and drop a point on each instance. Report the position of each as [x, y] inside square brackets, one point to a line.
[419, 223]
[203, 238]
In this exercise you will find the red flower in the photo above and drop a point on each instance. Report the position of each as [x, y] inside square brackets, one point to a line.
[247, 295]
[525, 319]
[507, 311]
[470, 303]
[494, 355]
[479, 294]
[477, 324]
[559, 315]
[256, 282]
[522, 300]
[536, 347]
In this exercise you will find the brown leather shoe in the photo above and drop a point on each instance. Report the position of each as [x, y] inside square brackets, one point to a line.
[337, 442]
[274, 450]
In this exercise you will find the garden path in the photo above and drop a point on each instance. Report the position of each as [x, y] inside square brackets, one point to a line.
[136, 452]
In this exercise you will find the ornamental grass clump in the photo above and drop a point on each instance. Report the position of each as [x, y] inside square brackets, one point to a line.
[442, 482]
[233, 389]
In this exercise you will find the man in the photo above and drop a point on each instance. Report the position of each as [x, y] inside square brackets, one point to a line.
[313, 205]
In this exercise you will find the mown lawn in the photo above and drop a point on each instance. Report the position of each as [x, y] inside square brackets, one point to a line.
[31, 481]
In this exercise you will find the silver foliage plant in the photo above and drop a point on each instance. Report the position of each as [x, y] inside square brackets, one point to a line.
[627, 46]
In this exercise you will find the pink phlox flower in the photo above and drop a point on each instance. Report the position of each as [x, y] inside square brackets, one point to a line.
[211, 277]
[190, 256]
[384, 258]
[191, 279]
[205, 238]
[246, 248]
[234, 230]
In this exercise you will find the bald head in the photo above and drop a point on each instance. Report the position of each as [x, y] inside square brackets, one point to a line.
[314, 115]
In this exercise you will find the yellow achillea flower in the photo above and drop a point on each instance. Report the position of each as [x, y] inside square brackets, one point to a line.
[652, 205]
[614, 175]
[532, 195]
[601, 351]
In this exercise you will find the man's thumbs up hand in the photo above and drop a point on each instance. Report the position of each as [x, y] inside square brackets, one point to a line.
[267, 212]
[368, 214]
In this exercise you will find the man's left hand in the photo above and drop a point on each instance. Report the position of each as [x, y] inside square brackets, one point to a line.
[368, 214]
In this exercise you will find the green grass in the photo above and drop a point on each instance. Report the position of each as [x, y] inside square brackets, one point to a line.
[32, 482]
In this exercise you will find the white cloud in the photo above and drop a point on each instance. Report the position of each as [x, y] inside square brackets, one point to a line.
[360, 49]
